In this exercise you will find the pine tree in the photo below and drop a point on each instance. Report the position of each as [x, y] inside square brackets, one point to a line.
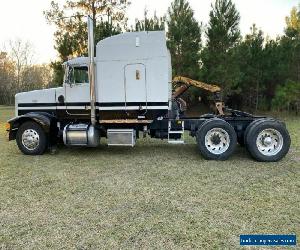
[287, 93]
[222, 34]
[184, 39]
[293, 23]
[251, 58]
[150, 23]
[292, 41]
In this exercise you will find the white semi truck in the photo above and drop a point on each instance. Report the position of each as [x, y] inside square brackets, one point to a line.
[126, 90]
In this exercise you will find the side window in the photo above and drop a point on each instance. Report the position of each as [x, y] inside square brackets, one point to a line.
[79, 75]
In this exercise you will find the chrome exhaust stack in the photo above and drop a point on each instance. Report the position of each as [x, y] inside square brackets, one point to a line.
[91, 49]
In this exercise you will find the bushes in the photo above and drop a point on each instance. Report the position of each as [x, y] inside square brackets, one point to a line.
[287, 96]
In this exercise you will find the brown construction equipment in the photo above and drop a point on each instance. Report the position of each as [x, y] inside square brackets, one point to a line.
[187, 83]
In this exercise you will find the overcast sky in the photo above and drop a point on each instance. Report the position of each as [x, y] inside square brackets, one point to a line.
[24, 19]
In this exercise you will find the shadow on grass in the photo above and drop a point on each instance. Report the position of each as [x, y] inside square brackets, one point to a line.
[159, 148]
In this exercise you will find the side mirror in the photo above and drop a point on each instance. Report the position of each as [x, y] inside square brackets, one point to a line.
[69, 76]
[66, 73]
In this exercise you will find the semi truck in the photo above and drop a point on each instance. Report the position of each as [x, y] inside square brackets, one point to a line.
[125, 92]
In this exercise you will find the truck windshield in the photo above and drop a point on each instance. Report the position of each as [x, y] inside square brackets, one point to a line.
[79, 75]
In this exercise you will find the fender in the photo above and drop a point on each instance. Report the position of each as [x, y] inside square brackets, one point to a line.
[44, 119]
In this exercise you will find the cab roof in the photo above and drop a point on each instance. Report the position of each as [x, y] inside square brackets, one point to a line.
[78, 61]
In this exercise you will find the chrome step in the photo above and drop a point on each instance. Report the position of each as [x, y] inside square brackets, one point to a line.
[176, 132]
[179, 132]
[175, 142]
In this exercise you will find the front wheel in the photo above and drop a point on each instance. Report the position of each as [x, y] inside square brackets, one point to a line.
[31, 138]
[216, 139]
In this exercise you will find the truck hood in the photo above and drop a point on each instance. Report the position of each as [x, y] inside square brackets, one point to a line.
[36, 98]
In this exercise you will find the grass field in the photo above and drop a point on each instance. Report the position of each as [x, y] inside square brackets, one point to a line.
[155, 195]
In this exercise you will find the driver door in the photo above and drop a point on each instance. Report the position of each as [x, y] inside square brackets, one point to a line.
[77, 89]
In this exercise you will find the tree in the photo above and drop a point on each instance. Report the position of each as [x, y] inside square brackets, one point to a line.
[222, 34]
[18, 74]
[150, 24]
[114, 9]
[251, 56]
[291, 40]
[21, 53]
[71, 33]
[293, 23]
[36, 77]
[287, 96]
[7, 78]
[184, 39]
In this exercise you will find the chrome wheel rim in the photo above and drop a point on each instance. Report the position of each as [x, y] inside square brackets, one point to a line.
[30, 139]
[217, 141]
[269, 142]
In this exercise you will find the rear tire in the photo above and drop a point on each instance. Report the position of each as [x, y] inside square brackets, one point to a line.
[216, 139]
[251, 125]
[242, 139]
[268, 140]
[31, 138]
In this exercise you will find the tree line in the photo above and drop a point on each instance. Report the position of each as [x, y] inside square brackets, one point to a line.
[254, 71]
[18, 73]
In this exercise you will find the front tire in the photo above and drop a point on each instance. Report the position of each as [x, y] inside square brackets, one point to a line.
[216, 139]
[268, 141]
[31, 138]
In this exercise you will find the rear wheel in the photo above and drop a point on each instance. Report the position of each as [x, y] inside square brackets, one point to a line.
[241, 139]
[216, 139]
[251, 125]
[268, 140]
[31, 138]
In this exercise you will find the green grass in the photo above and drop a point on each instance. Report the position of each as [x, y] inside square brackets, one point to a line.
[155, 195]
